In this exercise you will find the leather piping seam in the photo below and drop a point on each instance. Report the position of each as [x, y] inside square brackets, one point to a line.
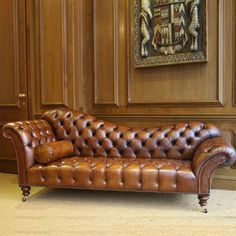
[202, 169]
[7, 131]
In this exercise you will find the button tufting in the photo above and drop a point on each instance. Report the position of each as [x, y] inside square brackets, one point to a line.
[189, 141]
[68, 115]
[108, 165]
[113, 141]
[75, 165]
[55, 115]
[181, 151]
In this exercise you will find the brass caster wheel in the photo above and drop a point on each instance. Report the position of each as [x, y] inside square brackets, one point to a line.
[204, 210]
[203, 202]
[25, 192]
[24, 198]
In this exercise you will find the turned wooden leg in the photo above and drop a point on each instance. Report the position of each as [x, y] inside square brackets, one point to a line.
[203, 201]
[26, 192]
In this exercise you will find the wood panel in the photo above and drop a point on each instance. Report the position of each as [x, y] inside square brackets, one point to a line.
[53, 52]
[54, 39]
[9, 60]
[12, 61]
[106, 94]
[196, 87]
[199, 87]
[233, 47]
[13, 77]
[173, 85]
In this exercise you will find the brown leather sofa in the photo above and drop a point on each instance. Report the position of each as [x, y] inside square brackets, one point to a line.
[176, 158]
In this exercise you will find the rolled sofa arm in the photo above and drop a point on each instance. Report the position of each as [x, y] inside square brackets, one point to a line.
[26, 136]
[211, 149]
[208, 156]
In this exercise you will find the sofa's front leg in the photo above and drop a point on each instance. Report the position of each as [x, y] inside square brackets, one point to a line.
[26, 192]
[208, 156]
[203, 198]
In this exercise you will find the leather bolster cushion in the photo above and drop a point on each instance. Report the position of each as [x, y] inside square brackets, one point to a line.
[49, 152]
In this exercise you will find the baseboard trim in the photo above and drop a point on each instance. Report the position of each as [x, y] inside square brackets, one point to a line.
[226, 184]
[8, 166]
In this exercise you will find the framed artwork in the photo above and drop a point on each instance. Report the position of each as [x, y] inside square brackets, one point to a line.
[170, 32]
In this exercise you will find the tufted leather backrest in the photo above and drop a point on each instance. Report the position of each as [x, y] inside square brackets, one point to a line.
[32, 133]
[97, 138]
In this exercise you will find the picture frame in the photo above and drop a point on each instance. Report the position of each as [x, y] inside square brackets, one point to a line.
[170, 32]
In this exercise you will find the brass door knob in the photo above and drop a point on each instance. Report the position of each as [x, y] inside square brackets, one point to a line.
[22, 95]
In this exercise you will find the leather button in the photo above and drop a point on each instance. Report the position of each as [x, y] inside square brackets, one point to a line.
[108, 165]
[75, 165]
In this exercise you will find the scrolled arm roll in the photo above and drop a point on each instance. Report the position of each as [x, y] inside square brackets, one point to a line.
[210, 150]
[26, 136]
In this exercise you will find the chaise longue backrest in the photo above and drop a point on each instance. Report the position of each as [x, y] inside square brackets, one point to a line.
[92, 137]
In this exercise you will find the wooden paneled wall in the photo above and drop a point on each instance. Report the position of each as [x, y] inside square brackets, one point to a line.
[192, 89]
[54, 48]
[13, 81]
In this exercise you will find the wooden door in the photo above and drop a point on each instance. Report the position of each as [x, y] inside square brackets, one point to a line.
[13, 76]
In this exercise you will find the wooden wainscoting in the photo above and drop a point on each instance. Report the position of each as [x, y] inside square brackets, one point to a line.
[55, 49]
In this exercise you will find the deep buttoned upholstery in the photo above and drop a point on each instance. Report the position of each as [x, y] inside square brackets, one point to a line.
[116, 174]
[96, 138]
[175, 158]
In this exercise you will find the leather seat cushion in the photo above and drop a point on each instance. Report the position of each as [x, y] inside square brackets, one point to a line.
[129, 174]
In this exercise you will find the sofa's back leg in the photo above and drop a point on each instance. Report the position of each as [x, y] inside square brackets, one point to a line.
[203, 201]
[26, 192]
